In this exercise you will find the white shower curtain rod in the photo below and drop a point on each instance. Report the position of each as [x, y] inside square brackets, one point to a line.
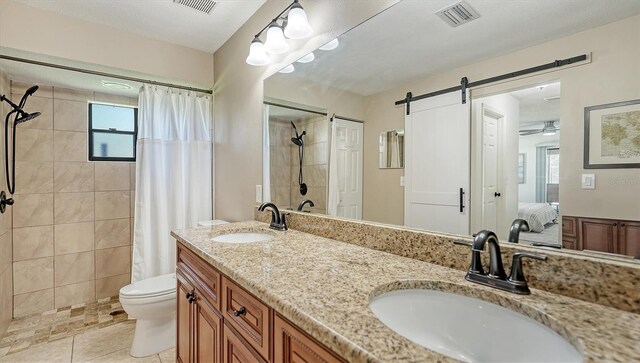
[103, 74]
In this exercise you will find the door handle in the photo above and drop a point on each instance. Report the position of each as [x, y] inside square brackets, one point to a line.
[461, 200]
[496, 194]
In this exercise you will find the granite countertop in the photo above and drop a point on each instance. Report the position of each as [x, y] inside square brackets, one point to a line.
[324, 287]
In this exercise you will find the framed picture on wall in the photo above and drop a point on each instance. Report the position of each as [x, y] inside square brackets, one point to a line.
[522, 168]
[612, 135]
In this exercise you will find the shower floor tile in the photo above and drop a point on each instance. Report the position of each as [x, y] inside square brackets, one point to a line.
[37, 330]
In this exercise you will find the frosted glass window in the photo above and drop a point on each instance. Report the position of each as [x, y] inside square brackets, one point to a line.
[112, 132]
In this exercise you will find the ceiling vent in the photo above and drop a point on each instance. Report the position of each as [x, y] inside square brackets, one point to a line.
[458, 14]
[204, 6]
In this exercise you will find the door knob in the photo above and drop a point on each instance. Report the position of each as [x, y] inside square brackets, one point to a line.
[496, 194]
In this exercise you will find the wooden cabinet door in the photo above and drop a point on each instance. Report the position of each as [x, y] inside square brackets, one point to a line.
[235, 350]
[293, 346]
[629, 238]
[207, 332]
[184, 324]
[598, 235]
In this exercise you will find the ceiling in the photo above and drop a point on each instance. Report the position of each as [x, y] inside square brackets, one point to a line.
[534, 109]
[161, 19]
[408, 41]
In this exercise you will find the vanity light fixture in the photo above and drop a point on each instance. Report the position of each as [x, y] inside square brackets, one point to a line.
[331, 45]
[307, 58]
[257, 53]
[291, 23]
[288, 69]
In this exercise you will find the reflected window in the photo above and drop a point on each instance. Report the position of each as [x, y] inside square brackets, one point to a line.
[553, 166]
[112, 132]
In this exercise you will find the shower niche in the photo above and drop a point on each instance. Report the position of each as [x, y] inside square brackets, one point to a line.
[298, 156]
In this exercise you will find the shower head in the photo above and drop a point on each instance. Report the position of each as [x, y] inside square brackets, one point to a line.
[24, 117]
[26, 95]
[297, 140]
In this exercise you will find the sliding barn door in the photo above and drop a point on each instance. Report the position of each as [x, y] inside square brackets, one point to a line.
[437, 168]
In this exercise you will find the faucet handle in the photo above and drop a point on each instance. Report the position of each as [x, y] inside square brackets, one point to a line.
[517, 276]
[283, 221]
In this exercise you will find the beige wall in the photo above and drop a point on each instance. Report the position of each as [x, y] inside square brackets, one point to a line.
[612, 76]
[34, 30]
[6, 272]
[72, 218]
[239, 95]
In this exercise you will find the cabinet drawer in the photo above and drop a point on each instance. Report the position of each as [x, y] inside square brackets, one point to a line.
[292, 345]
[248, 315]
[569, 227]
[200, 274]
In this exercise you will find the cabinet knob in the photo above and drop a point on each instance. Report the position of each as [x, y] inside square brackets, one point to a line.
[615, 224]
[240, 311]
[621, 224]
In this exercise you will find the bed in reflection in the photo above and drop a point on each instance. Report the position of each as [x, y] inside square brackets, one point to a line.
[538, 215]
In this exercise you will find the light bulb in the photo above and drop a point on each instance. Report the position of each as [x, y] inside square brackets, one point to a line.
[257, 54]
[297, 24]
[288, 69]
[331, 45]
[307, 58]
[275, 44]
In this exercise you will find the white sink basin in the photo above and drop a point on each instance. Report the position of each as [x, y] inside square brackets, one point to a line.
[243, 237]
[470, 329]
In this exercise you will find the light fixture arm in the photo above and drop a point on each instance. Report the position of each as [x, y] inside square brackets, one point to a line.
[277, 18]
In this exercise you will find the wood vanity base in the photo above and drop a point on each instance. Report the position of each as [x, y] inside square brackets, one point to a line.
[219, 321]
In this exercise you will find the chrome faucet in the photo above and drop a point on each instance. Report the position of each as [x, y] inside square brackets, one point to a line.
[516, 282]
[518, 225]
[278, 221]
[302, 204]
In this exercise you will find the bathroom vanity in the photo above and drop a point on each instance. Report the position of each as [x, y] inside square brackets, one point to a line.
[298, 296]
[220, 321]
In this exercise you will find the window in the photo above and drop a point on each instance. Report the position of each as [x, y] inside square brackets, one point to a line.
[112, 132]
[553, 166]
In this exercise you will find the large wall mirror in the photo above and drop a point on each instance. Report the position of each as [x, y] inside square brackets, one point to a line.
[459, 162]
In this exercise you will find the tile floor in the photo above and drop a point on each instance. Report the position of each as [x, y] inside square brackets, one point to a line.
[96, 332]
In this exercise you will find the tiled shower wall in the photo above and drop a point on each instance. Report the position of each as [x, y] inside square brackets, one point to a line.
[6, 272]
[314, 164]
[72, 218]
[280, 159]
[284, 159]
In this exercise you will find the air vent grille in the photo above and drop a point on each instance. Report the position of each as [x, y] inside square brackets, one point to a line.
[458, 14]
[205, 6]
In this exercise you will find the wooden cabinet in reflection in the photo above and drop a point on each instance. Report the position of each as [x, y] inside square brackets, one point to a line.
[601, 235]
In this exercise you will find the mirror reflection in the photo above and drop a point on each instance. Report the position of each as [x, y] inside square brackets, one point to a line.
[471, 150]
[392, 149]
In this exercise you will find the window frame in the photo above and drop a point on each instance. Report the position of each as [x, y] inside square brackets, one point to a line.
[91, 132]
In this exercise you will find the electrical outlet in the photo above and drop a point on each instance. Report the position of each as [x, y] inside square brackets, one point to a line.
[588, 181]
[402, 181]
[258, 193]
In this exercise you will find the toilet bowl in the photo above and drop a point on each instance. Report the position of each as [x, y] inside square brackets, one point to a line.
[152, 302]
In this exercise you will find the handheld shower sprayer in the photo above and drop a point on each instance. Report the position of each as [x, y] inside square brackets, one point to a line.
[298, 141]
[19, 116]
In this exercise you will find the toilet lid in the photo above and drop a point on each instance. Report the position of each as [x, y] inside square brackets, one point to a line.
[154, 286]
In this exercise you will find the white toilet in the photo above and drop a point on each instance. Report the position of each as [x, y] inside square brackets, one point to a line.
[152, 302]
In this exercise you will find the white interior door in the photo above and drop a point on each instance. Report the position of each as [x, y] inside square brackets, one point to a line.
[349, 146]
[491, 175]
[437, 167]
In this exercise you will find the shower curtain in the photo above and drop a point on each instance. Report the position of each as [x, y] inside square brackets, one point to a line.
[266, 156]
[173, 175]
[333, 194]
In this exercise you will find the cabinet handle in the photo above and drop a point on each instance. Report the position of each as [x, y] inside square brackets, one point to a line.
[240, 311]
[191, 297]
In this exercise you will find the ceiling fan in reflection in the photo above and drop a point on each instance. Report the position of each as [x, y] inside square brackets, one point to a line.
[548, 130]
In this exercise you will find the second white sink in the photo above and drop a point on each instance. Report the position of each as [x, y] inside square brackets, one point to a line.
[470, 329]
[243, 237]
